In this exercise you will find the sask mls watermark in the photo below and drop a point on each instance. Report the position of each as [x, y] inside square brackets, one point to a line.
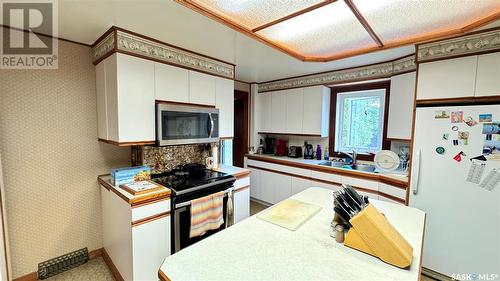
[22, 45]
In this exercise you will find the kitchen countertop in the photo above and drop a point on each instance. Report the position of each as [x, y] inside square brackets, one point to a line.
[257, 250]
[105, 181]
[313, 164]
[232, 170]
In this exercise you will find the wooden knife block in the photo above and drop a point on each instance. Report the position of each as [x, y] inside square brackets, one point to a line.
[373, 234]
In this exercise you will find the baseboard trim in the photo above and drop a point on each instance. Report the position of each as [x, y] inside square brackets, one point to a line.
[436, 275]
[33, 275]
[111, 266]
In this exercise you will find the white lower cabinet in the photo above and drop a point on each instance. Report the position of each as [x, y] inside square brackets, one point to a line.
[150, 247]
[241, 204]
[137, 240]
[256, 188]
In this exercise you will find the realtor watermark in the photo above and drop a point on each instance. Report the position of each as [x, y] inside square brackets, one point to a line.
[29, 39]
[475, 276]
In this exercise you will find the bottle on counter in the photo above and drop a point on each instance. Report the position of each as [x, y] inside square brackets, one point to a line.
[326, 154]
[318, 152]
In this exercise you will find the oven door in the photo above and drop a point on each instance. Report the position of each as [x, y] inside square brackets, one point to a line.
[178, 124]
[181, 222]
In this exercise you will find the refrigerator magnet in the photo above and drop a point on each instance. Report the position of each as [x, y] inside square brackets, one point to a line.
[440, 150]
[454, 128]
[455, 142]
[457, 116]
[459, 155]
[445, 136]
[442, 114]
[470, 121]
[488, 117]
[464, 137]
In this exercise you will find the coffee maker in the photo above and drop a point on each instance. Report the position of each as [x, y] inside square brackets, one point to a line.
[308, 151]
[269, 145]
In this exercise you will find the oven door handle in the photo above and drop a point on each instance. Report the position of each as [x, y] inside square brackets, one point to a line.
[211, 125]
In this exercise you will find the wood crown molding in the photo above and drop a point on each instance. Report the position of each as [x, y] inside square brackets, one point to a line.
[479, 42]
[368, 72]
[123, 41]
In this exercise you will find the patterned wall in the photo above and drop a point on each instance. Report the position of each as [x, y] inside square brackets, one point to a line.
[51, 158]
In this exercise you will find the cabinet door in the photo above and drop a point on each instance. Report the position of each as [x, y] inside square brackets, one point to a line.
[278, 112]
[452, 78]
[488, 75]
[401, 106]
[136, 99]
[255, 187]
[265, 111]
[224, 101]
[294, 111]
[151, 244]
[316, 111]
[241, 205]
[100, 85]
[267, 184]
[171, 83]
[299, 185]
[201, 88]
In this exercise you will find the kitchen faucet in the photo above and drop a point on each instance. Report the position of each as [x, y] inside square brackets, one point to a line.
[351, 156]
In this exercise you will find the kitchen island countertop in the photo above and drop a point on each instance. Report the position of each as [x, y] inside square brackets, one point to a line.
[257, 250]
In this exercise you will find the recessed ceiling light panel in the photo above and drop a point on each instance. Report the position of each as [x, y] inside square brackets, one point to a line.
[332, 29]
[394, 20]
[254, 13]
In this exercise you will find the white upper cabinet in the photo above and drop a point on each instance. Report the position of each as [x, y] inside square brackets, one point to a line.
[126, 99]
[453, 78]
[171, 83]
[401, 102]
[488, 75]
[316, 111]
[201, 88]
[264, 111]
[294, 110]
[278, 112]
[224, 101]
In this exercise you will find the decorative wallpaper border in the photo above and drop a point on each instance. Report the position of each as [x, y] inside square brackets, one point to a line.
[461, 46]
[380, 70]
[128, 42]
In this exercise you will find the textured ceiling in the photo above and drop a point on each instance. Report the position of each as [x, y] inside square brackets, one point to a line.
[333, 29]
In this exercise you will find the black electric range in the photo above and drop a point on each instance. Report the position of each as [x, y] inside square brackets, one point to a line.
[187, 183]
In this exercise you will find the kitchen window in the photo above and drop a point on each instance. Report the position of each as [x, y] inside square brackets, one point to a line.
[358, 119]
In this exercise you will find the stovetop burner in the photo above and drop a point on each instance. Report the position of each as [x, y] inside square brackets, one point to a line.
[185, 179]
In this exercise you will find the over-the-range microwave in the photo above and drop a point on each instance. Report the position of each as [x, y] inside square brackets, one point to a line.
[185, 124]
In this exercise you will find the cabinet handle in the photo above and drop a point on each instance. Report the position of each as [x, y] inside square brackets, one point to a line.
[415, 176]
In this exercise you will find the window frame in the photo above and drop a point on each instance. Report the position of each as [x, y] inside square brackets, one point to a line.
[335, 90]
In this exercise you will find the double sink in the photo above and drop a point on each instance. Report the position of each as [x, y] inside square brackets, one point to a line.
[357, 167]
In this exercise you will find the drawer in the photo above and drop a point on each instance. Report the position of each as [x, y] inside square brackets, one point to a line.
[334, 178]
[382, 198]
[241, 182]
[392, 190]
[280, 168]
[367, 184]
[149, 210]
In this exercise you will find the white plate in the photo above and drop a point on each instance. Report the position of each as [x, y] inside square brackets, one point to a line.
[386, 161]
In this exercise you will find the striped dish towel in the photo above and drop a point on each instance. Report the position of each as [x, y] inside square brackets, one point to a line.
[206, 214]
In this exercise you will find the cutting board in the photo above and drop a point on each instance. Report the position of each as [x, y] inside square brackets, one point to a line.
[290, 213]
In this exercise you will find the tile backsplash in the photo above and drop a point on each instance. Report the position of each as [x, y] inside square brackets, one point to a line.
[165, 158]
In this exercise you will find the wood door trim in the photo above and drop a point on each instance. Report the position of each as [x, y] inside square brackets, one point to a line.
[184, 103]
[131, 143]
[289, 134]
[150, 219]
[292, 15]
[112, 267]
[373, 177]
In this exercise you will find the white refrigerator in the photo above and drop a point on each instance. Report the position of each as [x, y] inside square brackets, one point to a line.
[462, 234]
